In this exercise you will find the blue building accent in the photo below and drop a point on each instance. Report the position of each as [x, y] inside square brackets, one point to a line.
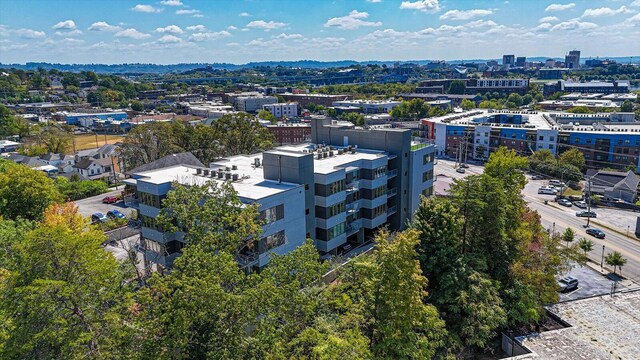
[74, 119]
[510, 133]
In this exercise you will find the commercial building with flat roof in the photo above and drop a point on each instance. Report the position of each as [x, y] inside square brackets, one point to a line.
[336, 191]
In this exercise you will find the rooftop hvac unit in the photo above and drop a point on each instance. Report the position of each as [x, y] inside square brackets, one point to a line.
[325, 154]
[235, 177]
[331, 153]
[319, 156]
[227, 176]
[234, 167]
[213, 173]
[226, 168]
[198, 171]
[220, 174]
[353, 151]
[205, 172]
[340, 151]
[256, 162]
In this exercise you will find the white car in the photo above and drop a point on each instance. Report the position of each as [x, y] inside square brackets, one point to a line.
[547, 190]
[580, 204]
[557, 183]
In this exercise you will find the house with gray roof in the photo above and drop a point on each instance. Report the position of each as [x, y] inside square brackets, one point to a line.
[614, 185]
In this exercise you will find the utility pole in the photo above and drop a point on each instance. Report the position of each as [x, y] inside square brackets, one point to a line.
[602, 258]
[466, 146]
[589, 203]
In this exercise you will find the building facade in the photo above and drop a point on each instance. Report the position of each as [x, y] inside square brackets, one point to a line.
[282, 110]
[290, 133]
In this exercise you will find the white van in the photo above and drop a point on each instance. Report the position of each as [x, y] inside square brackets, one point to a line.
[547, 190]
[556, 183]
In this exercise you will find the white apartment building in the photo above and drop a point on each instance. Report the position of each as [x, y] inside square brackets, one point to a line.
[282, 110]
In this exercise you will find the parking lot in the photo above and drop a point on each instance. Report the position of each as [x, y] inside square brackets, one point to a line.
[94, 204]
[591, 283]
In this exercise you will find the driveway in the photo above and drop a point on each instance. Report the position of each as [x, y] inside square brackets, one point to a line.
[94, 204]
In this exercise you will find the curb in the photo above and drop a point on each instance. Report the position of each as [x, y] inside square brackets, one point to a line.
[623, 234]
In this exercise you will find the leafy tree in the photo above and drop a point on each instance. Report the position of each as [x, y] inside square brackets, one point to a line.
[585, 245]
[490, 104]
[627, 106]
[568, 235]
[515, 98]
[25, 193]
[266, 115]
[467, 104]
[241, 133]
[355, 118]
[8, 122]
[412, 109]
[75, 190]
[573, 157]
[147, 143]
[137, 105]
[542, 155]
[55, 140]
[331, 112]
[66, 298]
[457, 87]
[616, 260]
[11, 233]
[580, 110]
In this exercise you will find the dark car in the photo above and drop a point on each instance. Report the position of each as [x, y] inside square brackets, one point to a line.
[568, 283]
[98, 218]
[565, 202]
[113, 214]
[596, 232]
[585, 213]
[460, 170]
[110, 200]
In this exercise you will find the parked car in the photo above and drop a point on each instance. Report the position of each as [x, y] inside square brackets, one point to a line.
[557, 183]
[460, 170]
[568, 283]
[110, 200]
[580, 204]
[464, 166]
[98, 218]
[547, 190]
[565, 202]
[585, 213]
[537, 177]
[596, 232]
[113, 214]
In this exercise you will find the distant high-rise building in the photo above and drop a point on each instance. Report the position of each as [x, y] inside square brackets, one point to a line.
[520, 61]
[508, 60]
[572, 60]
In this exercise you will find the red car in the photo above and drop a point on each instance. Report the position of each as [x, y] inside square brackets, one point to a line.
[110, 200]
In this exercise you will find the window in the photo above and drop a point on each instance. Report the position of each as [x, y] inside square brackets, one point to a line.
[377, 192]
[551, 138]
[336, 231]
[273, 241]
[272, 214]
[428, 175]
[379, 172]
[379, 210]
[427, 159]
[150, 199]
[540, 138]
[151, 223]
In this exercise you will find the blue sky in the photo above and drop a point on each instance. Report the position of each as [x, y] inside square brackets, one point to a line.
[172, 31]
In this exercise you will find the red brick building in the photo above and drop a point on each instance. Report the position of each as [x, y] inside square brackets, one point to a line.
[290, 133]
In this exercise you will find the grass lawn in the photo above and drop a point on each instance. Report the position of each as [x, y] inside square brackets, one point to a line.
[570, 192]
[88, 141]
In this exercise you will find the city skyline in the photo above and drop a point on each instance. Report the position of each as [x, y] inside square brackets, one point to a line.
[176, 31]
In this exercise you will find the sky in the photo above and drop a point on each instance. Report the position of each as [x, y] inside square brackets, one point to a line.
[241, 31]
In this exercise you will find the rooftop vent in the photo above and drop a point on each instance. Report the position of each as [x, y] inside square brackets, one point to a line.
[226, 168]
[319, 156]
[198, 171]
[227, 176]
[235, 177]
[256, 162]
[234, 167]
[220, 174]
[205, 172]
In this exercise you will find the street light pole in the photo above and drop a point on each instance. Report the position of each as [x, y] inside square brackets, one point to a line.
[553, 233]
[602, 258]
[589, 203]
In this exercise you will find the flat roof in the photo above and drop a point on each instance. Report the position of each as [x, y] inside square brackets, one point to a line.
[331, 163]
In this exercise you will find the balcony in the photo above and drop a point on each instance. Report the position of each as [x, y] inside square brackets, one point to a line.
[352, 228]
[247, 259]
[391, 211]
[392, 173]
[131, 201]
[392, 192]
[353, 186]
[352, 208]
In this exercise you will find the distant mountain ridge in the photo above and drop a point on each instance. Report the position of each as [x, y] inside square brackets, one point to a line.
[141, 68]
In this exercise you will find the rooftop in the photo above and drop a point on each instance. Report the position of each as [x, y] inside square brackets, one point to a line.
[602, 327]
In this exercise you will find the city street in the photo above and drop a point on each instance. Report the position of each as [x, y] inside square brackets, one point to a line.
[564, 217]
[94, 204]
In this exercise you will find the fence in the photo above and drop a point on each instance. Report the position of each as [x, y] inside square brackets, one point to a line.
[121, 233]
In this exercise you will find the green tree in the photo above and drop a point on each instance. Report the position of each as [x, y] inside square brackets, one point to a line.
[467, 104]
[580, 110]
[11, 233]
[8, 122]
[490, 104]
[147, 143]
[585, 245]
[25, 193]
[516, 99]
[616, 260]
[573, 157]
[457, 87]
[66, 299]
[55, 140]
[241, 133]
[627, 106]
[137, 105]
[568, 235]
[542, 155]
[355, 118]
[266, 115]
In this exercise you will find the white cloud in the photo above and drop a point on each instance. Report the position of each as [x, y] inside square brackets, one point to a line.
[231, 27]
[634, 19]
[174, 29]
[374, 1]
[289, 36]
[261, 24]
[29, 33]
[132, 34]
[169, 39]
[352, 21]
[574, 24]
[465, 14]
[559, 7]
[544, 26]
[194, 12]
[171, 2]
[426, 6]
[67, 24]
[636, 3]
[244, 14]
[203, 36]
[146, 8]
[605, 11]
[547, 19]
[74, 32]
[199, 28]
[232, 44]
[103, 26]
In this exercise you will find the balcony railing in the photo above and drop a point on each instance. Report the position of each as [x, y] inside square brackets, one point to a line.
[352, 229]
[247, 259]
[353, 186]
[391, 210]
[392, 173]
[352, 207]
[392, 191]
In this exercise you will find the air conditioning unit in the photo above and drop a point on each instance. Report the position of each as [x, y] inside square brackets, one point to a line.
[198, 171]
[234, 167]
[205, 172]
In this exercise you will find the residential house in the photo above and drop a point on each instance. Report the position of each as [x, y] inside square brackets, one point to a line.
[94, 168]
[614, 185]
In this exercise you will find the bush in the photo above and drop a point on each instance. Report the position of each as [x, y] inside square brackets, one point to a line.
[112, 224]
[76, 190]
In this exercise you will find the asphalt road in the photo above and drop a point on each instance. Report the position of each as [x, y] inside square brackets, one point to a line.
[563, 217]
[94, 204]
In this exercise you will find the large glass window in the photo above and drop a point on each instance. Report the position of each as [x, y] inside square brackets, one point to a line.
[272, 214]
[150, 199]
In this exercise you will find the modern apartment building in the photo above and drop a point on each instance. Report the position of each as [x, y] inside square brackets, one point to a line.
[337, 190]
[281, 110]
[369, 106]
[606, 139]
